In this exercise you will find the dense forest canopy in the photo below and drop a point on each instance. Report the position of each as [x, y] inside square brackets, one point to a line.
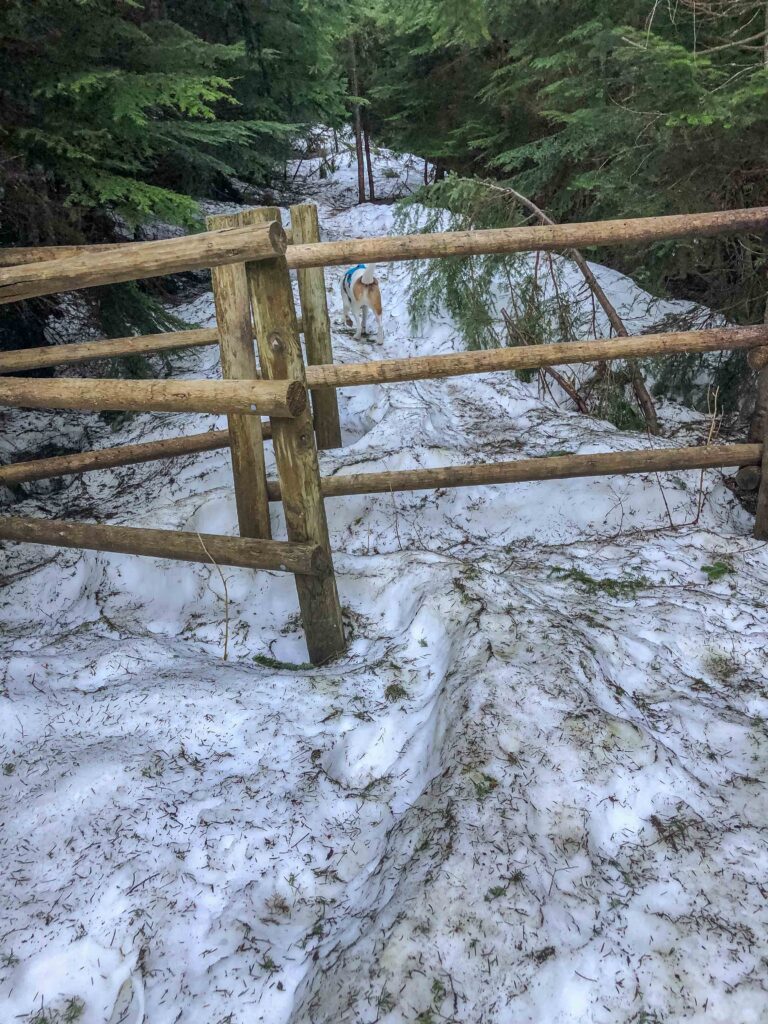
[116, 105]
[116, 113]
[595, 108]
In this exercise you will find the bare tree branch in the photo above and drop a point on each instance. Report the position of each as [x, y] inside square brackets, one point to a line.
[642, 394]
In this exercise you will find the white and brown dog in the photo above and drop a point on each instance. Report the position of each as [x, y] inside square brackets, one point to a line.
[360, 292]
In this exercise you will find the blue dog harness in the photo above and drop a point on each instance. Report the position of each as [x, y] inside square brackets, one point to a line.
[347, 280]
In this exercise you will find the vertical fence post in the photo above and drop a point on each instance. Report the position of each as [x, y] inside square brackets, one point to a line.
[761, 513]
[238, 362]
[317, 326]
[295, 450]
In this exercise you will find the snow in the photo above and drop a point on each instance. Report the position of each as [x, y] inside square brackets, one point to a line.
[532, 789]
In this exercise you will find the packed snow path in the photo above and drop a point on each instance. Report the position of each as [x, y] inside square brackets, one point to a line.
[533, 790]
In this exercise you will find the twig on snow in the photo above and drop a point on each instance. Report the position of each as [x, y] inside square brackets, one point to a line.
[225, 598]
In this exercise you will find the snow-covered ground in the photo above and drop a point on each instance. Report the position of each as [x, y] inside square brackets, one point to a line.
[532, 790]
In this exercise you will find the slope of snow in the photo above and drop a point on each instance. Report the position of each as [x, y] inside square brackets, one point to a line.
[533, 789]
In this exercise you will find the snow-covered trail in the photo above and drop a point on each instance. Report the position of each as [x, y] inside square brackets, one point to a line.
[533, 790]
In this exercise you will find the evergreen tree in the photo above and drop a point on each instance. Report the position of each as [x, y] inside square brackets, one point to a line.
[119, 112]
[595, 109]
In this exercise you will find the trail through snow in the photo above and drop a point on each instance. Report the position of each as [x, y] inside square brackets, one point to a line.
[532, 790]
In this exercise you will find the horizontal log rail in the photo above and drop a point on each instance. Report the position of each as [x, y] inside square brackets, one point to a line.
[418, 368]
[121, 455]
[18, 360]
[90, 266]
[279, 398]
[560, 467]
[138, 260]
[532, 357]
[278, 556]
[527, 239]
[464, 243]
[18, 255]
[333, 487]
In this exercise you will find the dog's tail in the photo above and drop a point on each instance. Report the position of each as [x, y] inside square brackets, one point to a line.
[368, 276]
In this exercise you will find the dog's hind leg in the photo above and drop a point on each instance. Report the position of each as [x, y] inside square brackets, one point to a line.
[376, 308]
[347, 309]
[364, 316]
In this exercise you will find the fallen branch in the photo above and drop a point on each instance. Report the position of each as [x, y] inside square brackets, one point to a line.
[225, 598]
[642, 395]
[712, 433]
[565, 384]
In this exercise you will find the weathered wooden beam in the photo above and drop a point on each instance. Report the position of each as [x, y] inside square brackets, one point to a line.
[283, 398]
[296, 455]
[748, 477]
[420, 367]
[560, 467]
[417, 368]
[138, 260]
[18, 360]
[17, 255]
[642, 230]
[55, 268]
[50, 268]
[278, 556]
[238, 362]
[121, 455]
[389, 371]
[317, 327]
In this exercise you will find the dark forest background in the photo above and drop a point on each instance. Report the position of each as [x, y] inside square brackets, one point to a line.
[117, 114]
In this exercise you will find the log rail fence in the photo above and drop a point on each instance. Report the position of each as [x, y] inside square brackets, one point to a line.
[250, 260]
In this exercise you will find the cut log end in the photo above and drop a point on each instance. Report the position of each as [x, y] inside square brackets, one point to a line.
[278, 237]
[320, 562]
[296, 398]
[758, 358]
[748, 478]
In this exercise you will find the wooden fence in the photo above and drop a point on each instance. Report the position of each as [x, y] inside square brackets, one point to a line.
[250, 260]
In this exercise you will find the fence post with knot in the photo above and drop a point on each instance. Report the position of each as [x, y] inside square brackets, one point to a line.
[277, 338]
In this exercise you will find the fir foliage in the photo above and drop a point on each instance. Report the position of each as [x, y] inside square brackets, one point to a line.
[120, 113]
[597, 109]
[512, 300]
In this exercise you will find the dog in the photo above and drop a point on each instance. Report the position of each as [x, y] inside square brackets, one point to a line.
[360, 292]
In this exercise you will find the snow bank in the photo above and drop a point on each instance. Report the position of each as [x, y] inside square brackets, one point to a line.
[532, 790]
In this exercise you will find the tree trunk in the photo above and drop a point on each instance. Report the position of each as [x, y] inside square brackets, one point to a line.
[355, 87]
[758, 426]
[748, 478]
[368, 164]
